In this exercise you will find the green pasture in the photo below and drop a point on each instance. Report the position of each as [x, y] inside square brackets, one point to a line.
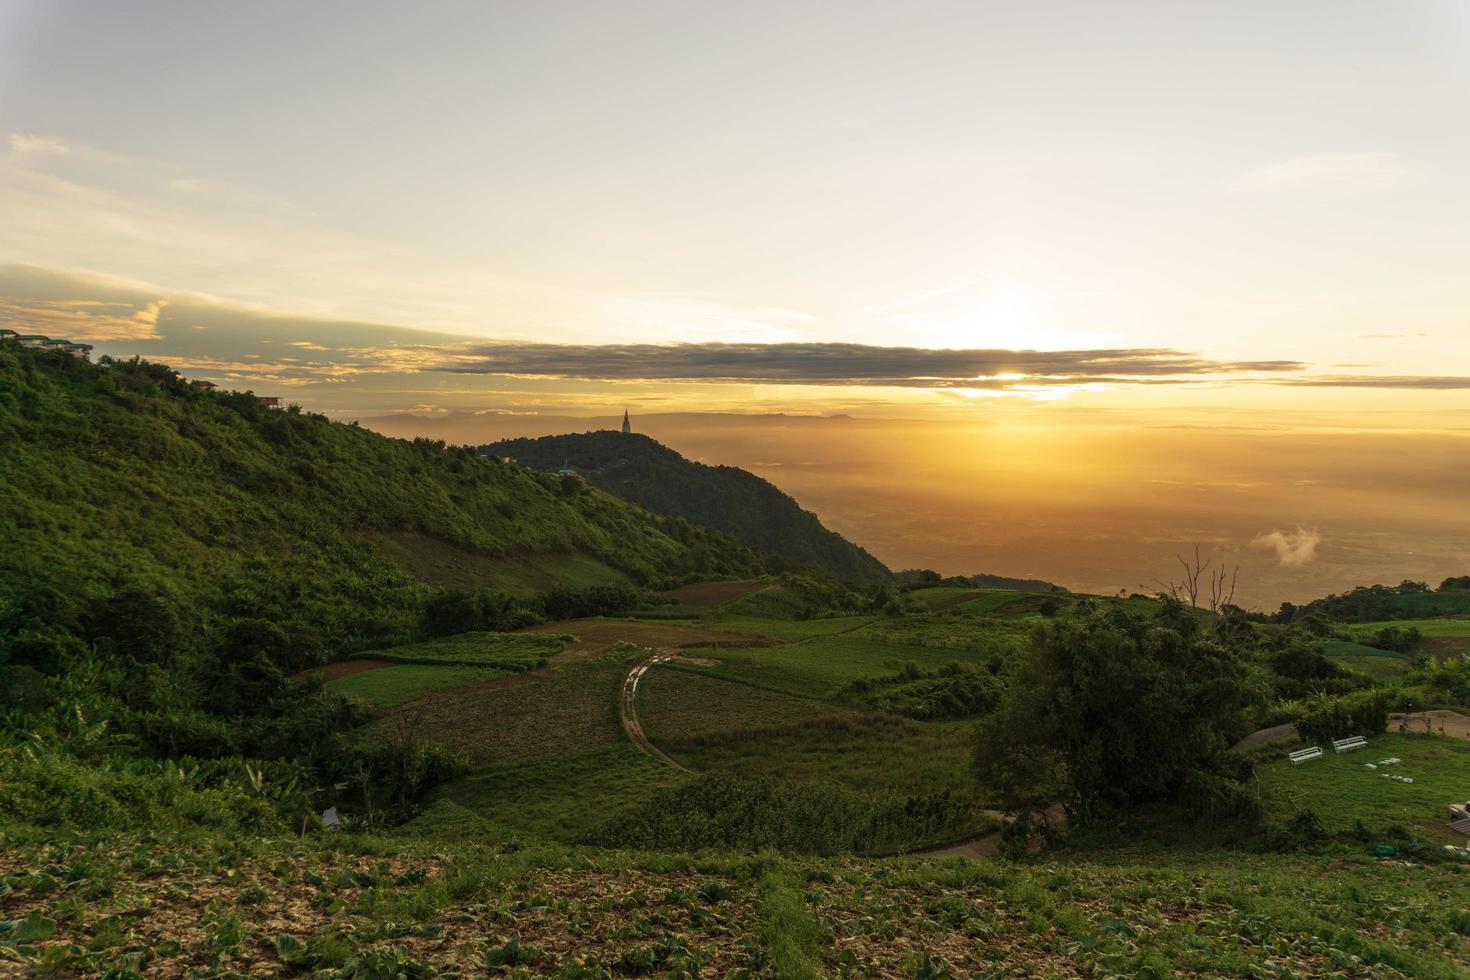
[792, 630]
[684, 701]
[1342, 790]
[1379, 664]
[879, 756]
[504, 651]
[389, 686]
[1427, 627]
[822, 667]
[562, 797]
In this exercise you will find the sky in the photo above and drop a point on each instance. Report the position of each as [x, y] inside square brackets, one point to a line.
[1011, 218]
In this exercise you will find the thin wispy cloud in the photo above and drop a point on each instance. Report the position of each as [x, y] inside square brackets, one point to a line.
[1326, 173]
[848, 364]
[1390, 381]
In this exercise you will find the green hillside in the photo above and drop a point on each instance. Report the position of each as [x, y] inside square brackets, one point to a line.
[727, 498]
[510, 763]
[123, 479]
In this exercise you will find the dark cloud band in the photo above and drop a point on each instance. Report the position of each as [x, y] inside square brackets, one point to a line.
[846, 364]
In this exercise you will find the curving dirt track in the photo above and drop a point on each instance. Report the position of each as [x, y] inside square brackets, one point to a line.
[628, 710]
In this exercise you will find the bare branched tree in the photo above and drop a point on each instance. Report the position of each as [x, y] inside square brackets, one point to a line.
[1222, 580]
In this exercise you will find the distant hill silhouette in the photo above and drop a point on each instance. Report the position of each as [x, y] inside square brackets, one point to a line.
[725, 498]
[922, 576]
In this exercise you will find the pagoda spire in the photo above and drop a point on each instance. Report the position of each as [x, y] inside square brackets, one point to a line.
[627, 424]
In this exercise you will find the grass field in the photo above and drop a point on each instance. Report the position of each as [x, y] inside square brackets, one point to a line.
[686, 702]
[1428, 627]
[1342, 790]
[823, 667]
[564, 797]
[877, 755]
[396, 685]
[503, 651]
[538, 716]
[988, 636]
[792, 630]
[1376, 663]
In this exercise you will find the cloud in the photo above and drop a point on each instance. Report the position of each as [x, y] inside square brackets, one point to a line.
[847, 364]
[83, 319]
[1392, 381]
[1292, 548]
[1329, 173]
[26, 144]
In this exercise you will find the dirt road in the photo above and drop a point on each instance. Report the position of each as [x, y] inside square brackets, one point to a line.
[628, 709]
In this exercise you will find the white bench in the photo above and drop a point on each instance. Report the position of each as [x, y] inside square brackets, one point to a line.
[1305, 755]
[1349, 743]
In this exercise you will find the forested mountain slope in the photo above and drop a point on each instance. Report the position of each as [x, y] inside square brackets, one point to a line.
[124, 480]
[726, 498]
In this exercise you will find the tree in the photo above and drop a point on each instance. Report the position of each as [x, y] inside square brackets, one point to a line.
[1221, 582]
[1107, 709]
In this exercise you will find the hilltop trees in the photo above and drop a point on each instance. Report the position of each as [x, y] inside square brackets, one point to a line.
[1108, 708]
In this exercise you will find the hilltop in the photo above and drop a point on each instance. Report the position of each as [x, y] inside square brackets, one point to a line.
[726, 498]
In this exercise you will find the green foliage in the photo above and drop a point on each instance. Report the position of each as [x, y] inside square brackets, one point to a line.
[802, 597]
[811, 817]
[1400, 639]
[1368, 603]
[725, 498]
[147, 516]
[956, 690]
[1109, 709]
[1325, 717]
[792, 935]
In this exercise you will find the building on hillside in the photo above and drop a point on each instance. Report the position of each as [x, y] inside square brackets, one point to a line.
[268, 401]
[206, 385]
[41, 342]
[566, 470]
[627, 424]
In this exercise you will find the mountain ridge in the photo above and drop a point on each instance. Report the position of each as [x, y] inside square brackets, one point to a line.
[726, 498]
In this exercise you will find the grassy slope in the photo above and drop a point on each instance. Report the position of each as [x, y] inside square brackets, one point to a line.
[395, 685]
[128, 474]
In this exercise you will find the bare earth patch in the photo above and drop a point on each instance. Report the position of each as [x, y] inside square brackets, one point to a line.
[708, 595]
[344, 668]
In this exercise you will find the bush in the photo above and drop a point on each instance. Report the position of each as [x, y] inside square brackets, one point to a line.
[1108, 709]
[753, 814]
[22, 689]
[1324, 718]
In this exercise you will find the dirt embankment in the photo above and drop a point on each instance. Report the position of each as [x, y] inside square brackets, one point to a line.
[708, 595]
